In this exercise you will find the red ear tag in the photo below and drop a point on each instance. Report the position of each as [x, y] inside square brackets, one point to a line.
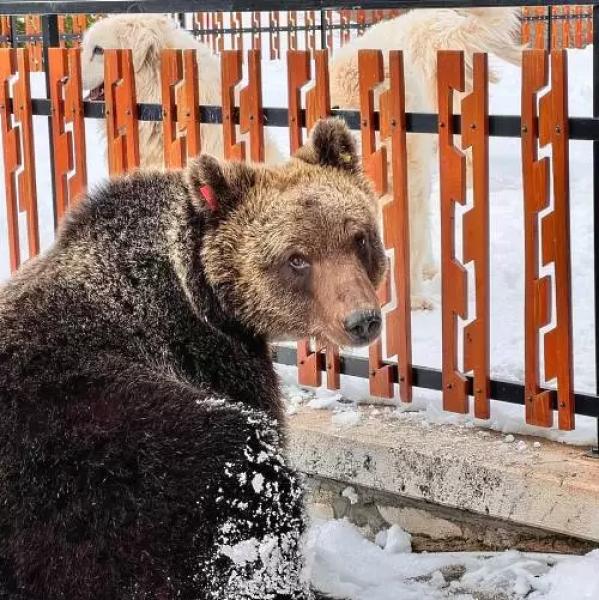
[208, 194]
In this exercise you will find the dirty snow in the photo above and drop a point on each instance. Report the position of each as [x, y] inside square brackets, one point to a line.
[345, 564]
[507, 344]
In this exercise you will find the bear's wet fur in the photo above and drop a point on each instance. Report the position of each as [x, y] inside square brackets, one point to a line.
[142, 433]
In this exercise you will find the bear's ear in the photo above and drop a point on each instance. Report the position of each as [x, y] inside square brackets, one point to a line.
[218, 186]
[331, 144]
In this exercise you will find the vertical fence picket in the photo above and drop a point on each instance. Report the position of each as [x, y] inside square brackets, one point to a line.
[396, 227]
[5, 32]
[344, 20]
[298, 75]
[231, 74]
[292, 30]
[251, 119]
[69, 146]
[274, 37]
[236, 21]
[256, 33]
[475, 135]
[180, 102]
[33, 27]
[370, 75]
[452, 169]
[555, 238]
[318, 106]
[537, 292]
[19, 164]
[578, 27]
[310, 22]
[525, 27]
[122, 130]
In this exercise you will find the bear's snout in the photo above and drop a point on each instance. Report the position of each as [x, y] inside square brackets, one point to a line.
[363, 326]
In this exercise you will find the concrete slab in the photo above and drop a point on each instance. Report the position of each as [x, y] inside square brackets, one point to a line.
[552, 487]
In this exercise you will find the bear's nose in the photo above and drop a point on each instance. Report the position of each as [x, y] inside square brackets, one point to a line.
[363, 326]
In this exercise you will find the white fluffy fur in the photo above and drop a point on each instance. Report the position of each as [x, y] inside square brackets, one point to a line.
[147, 35]
[420, 34]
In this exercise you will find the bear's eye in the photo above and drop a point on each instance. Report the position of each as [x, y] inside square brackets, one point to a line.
[298, 262]
[97, 51]
[361, 241]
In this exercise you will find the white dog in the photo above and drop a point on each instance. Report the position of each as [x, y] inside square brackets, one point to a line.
[420, 33]
[147, 35]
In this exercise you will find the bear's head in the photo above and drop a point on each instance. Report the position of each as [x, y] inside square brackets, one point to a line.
[294, 251]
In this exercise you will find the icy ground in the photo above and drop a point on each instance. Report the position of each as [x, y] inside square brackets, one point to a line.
[507, 343]
[344, 563]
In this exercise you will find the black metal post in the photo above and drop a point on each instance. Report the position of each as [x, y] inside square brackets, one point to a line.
[549, 26]
[14, 23]
[51, 39]
[323, 30]
[595, 451]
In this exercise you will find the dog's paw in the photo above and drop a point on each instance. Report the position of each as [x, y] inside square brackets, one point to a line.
[422, 303]
[429, 271]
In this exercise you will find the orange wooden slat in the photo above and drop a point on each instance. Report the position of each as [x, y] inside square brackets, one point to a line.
[256, 35]
[578, 27]
[566, 27]
[236, 21]
[274, 37]
[396, 225]
[33, 26]
[475, 119]
[251, 118]
[452, 170]
[371, 74]
[12, 155]
[310, 22]
[5, 31]
[589, 21]
[555, 228]
[345, 33]
[180, 102]
[292, 33]
[535, 182]
[298, 75]
[231, 74]
[318, 106]
[525, 27]
[122, 129]
[69, 146]
[26, 179]
[328, 18]
[540, 27]
[19, 164]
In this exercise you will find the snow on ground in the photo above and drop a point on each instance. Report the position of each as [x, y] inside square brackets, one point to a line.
[345, 564]
[507, 342]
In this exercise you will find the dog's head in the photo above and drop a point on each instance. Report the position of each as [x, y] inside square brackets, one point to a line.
[145, 35]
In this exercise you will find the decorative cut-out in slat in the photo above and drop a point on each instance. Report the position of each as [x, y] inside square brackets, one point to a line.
[396, 227]
[452, 162]
[122, 130]
[180, 102]
[70, 168]
[17, 141]
[475, 135]
[310, 23]
[372, 74]
[551, 239]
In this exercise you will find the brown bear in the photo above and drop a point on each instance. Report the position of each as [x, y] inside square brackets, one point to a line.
[141, 435]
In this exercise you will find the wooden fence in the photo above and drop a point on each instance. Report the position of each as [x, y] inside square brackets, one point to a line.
[276, 32]
[544, 123]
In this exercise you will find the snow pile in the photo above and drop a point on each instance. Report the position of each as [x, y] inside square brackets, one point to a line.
[345, 564]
